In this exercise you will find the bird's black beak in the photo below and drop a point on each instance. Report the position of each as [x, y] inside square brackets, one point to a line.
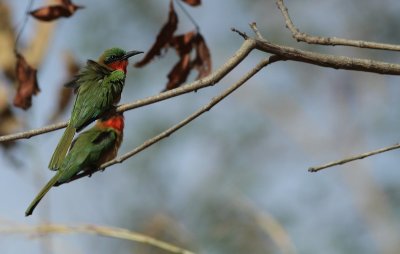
[130, 53]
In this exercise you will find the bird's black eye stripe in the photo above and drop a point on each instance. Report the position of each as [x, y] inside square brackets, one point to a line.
[111, 58]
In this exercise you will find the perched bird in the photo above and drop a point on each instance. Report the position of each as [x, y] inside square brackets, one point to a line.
[98, 87]
[88, 151]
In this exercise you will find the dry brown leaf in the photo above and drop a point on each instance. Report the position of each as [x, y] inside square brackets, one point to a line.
[202, 62]
[183, 43]
[183, 46]
[65, 2]
[179, 73]
[192, 2]
[27, 83]
[163, 37]
[52, 12]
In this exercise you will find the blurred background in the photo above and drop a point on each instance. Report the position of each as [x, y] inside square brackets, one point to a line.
[235, 180]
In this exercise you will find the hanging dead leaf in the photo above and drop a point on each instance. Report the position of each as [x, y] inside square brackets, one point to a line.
[202, 62]
[183, 44]
[192, 2]
[65, 2]
[179, 73]
[163, 37]
[52, 12]
[27, 83]
[72, 8]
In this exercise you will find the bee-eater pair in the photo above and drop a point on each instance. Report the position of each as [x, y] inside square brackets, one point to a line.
[98, 87]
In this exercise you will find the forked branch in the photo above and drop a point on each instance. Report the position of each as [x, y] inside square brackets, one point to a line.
[279, 52]
[331, 41]
[249, 44]
[210, 80]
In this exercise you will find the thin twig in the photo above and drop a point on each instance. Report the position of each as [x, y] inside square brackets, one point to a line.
[119, 233]
[333, 41]
[26, 17]
[256, 31]
[353, 158]
[35, 132]
[197, 27]
[187, 120]
[244, 35]
[210, 80]
[326, 60]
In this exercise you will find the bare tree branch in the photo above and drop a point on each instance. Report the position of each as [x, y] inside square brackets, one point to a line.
[332, 41]
[353, 158]
[256, 31]
[112, 232]
[210, 80]
[35, 132]
[185, 121]
[284, 52]
[326, 60]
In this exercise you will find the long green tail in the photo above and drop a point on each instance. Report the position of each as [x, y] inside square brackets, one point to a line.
[62, 148]
[41, 194]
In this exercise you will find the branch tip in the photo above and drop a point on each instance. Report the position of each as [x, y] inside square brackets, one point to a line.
[353, 158]
[244, 35]
[254, 27]
[329, 41]
[312, 170]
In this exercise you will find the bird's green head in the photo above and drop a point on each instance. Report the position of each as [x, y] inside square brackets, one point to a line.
[116, 58]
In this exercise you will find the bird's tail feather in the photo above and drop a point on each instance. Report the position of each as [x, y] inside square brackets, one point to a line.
[62, 148]
[41, 194]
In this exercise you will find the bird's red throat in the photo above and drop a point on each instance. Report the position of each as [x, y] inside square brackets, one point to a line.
[115, 122]
[119, 65]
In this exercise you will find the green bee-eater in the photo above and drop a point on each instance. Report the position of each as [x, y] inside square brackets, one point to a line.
[98, 86]
[88, 151]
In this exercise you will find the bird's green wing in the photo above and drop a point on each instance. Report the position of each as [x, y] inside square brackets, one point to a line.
[95, 97]
[86, 152]
[92, 72]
